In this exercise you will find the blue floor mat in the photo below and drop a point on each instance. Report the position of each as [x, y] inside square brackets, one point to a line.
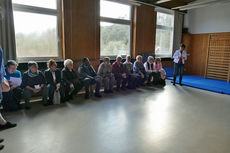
[213, 85]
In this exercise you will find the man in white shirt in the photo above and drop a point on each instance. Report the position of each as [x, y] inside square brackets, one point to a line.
[180, 56]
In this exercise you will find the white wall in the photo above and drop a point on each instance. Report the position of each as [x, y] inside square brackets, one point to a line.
[210, 19]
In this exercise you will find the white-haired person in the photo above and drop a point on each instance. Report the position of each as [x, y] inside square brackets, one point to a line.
[34, 82]
[105, 71]
[159, 69]
[119, 73]
[131, 76]
[152, 73]
[139, 69]
[70, 81]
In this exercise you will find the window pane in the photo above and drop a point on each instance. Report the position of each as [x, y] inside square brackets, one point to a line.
[36, 35]
[39, 3]
[163, 45]
[115, 10]
[115, 39]
[165, 19]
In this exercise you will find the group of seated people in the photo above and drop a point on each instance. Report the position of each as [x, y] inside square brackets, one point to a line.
[66, 83]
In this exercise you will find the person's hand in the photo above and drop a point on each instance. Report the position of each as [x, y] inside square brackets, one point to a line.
[123, 75]
[9, 81]
[98, 79]
[58, 86]
[35, 90]
[71, 86]
[13, 87]
[142, 76]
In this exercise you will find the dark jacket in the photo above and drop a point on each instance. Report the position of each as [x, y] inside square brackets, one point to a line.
[32, 81]
[68, 76]
[49, 77]
[118, 69]
[86, 72]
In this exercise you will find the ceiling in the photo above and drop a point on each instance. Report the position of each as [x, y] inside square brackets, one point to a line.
[169, 3]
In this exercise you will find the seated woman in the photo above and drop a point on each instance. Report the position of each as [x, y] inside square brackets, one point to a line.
[131, 77]
[33, 82]
[53, 79]
[119, 73]
[139, 69]
[89, 77]
[159, 69]
[150, 69]
[70, 81]
[105, 71]
[11, 99]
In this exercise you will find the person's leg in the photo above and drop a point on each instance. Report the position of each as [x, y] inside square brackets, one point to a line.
[17, 95]
[86, 83]
[106, 82]
[124, 82]
[181, 67]
[111, 83]
[44, 92]
[4, 124]
[27, 95]
[98, 87]
[150, 75]
[175, 72]
[156, 78]
[118, 81]
[139, 79]
[51, 90]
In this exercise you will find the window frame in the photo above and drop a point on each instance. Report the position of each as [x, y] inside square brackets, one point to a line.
[162, 27]
[121, 22]
[44, 11]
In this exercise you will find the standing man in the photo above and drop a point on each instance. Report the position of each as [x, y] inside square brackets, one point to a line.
[3, 123]
[180, 56]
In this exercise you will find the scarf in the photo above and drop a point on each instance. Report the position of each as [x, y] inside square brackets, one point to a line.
[32, 74]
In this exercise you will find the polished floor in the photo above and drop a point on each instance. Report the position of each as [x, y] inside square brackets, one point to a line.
[149, 120]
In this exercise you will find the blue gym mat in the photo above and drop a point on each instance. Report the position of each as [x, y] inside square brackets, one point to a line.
[213, 85]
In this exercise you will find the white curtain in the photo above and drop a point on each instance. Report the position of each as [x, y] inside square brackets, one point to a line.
[7, 34]
[178, 25]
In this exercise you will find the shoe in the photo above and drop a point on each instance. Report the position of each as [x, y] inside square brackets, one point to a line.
[1, 140]
[1, 147]
[7, 126]
[123, 88]
[180, 84]
[98, 95]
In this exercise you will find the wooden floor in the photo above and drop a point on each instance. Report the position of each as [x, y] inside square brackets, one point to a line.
[148, 120]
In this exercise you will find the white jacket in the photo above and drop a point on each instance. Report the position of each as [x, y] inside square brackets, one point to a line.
[177, 56]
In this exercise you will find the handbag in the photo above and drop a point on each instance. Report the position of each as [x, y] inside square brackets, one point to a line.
[5, 86]
[57, 97]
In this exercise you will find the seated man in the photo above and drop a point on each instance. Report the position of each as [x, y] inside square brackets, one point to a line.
[105, 71]
[33, 82]
[11, 99]
[139, 69]
[119, 73]
[53, 79]
[151, 71]
[131, 77]
[70, 81]
[89, 77]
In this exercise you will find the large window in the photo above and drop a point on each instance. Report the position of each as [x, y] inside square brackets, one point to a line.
[115, 28]
[37, 29]
[164, 34]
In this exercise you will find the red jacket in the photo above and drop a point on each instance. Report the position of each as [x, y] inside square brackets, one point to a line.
[118, 69]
